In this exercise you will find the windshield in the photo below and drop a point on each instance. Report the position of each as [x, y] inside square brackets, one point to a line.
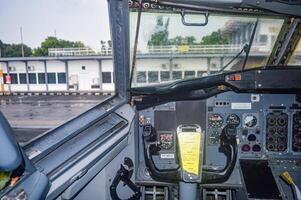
[168, 50]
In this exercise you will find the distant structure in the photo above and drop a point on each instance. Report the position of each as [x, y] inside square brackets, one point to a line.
[84, 70]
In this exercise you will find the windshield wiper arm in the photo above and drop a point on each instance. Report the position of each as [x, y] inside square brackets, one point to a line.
[250, 44]
[246, 48]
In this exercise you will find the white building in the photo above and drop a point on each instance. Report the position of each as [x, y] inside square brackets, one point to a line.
[86, 70]
[53, 74]
[94, 73]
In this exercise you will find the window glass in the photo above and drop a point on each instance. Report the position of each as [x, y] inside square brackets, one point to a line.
[32, 78]
[56, 52]
[189, 74]
[4, 79]
[22, 78]
[106, 77]
[184, 50]
[61, 77]
[141, 77]
[165, 76]
[176, 75]
[213, 71]
[14, 78]
[263, 38]
[153, 76]
[51, 78]
[201, 73]
[41, 78]
[113, 74]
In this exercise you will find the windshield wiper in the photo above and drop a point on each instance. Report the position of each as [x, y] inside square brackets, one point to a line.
[250, 44]
[136, 42]
[246, 48]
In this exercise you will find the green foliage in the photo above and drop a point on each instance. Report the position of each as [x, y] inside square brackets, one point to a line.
[216, 37]
[14, 50]
[53, 42]
[160, 37]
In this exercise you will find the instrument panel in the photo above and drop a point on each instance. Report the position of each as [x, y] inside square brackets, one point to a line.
[268, 124]
[268, 128]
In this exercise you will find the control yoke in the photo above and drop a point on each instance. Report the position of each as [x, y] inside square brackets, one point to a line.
[228, 147]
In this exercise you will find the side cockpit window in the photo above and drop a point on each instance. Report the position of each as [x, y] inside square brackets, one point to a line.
[53, 73]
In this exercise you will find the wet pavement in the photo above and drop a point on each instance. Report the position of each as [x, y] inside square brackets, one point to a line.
[31, 116]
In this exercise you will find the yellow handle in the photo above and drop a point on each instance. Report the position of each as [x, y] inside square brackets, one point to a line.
[287, 178]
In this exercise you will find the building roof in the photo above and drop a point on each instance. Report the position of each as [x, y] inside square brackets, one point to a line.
[144, 56]
[59, 58]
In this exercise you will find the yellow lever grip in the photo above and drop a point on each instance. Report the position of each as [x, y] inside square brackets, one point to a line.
[287, 178]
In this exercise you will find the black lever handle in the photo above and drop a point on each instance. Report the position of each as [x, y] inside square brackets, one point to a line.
[124, 176]
[164, 175]
[228, 146]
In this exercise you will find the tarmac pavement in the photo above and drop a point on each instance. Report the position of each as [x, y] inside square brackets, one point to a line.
[31, 116]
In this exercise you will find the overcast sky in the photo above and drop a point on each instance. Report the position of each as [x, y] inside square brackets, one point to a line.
[76, 20]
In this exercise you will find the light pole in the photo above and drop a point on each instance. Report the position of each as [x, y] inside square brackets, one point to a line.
[22, 47]
[0, 49]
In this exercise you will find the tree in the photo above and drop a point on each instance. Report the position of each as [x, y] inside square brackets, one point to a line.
[161, 34]
[190, 40]
[14, 50]
[53, 42]
[160, 37]
[109, 43]
[216, 37]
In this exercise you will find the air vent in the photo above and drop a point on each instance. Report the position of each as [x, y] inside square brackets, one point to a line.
[154, 193]
[164, 66]
[12, 69]
[95, 86]
[30, 68]
[221, 103]
[216, 194]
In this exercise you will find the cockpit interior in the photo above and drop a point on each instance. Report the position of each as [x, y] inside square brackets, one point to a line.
[232, 133]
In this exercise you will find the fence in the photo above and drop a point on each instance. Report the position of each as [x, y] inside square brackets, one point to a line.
[165, 50]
